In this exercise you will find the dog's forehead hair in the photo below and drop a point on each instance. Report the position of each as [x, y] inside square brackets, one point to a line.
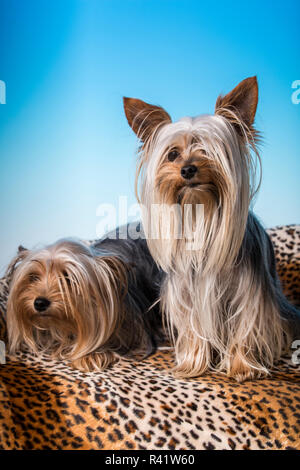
[59, 257]
[192, 131]
[186, 142]
[44, 265]
[183, 140]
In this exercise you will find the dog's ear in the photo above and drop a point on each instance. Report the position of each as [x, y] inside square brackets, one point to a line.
[242, 100]
[144, 118]
[115, 267]
[21, 255]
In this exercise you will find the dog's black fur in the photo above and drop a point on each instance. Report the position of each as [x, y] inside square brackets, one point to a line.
[142, 312]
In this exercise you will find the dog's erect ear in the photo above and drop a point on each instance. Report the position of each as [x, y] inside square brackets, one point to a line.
[242, 100]
[144, 118]
[22, 254]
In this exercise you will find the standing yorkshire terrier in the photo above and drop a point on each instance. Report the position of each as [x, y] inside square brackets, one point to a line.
[221, 298]
[86, 304]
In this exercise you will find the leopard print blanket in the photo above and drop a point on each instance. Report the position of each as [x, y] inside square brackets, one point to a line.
[47, 405]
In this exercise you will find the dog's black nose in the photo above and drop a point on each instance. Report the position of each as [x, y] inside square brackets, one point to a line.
[41, 304]
[187, 172]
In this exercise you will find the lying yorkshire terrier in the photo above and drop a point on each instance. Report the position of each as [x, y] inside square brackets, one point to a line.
[87, 304]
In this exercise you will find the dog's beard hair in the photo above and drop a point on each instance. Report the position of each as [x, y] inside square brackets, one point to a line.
[86, 306]
[217, 312]
[226, 197]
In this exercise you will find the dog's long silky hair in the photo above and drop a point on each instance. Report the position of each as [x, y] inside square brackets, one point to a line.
[93, 317]
[222, 303]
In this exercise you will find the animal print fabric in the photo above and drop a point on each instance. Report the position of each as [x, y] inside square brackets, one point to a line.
[45, 404]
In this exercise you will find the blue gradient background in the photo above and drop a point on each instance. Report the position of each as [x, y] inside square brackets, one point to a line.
[65, 146]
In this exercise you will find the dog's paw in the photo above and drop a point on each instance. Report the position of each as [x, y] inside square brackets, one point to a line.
[96, 361]
[241, 372]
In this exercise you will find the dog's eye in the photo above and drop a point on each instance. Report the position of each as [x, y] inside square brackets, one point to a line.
[66, 276]
[173, 154]
[33, 277]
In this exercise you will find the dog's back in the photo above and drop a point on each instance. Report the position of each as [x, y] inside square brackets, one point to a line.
[257, 250]
[144, 280]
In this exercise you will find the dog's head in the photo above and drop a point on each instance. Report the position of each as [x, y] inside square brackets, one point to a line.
[64, 300]
[196, 158]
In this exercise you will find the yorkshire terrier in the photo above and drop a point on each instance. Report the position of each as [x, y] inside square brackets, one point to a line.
[221, 298]
[86, 304]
